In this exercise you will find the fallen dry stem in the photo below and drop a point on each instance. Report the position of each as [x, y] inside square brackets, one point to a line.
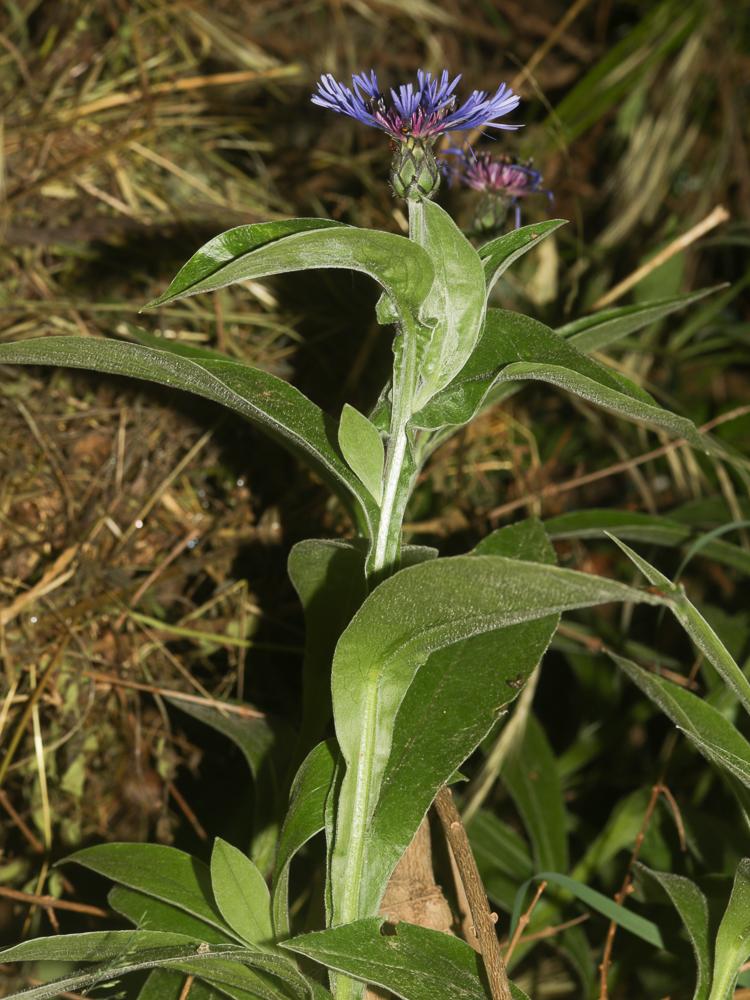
[713, 219]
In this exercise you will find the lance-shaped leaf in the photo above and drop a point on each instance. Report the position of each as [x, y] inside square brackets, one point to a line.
[655, 529]
[456, 301]
[279, 409]
[711, 732]
[305, 817]
[695, 625]
[592, 333]
[450, 706]
[401, 267]
[498, 255]
[402, 622]
[691, 905]
[410, 961]
[515, 347]
[733, 938]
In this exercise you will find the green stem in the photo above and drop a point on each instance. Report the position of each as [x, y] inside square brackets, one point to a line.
[397, 478]
[383, 562]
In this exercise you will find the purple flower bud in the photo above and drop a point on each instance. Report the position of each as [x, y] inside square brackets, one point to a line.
[503, 180]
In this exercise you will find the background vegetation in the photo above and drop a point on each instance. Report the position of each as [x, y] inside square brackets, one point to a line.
[143, 542]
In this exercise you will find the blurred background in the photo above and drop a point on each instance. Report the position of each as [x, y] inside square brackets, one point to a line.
[143, 537]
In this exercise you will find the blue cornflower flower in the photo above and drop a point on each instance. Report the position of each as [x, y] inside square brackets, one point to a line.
[414, 116]
[423, 110]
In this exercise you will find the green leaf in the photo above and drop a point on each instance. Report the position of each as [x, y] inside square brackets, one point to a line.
[530, 775]
[692, 907]
[149, 913]
[592, 333]
[241, 893]
[654, 529]
[453, 701]
[159, 871]
[695, 625]
[410, 961]
[362, 447]
[119, 953]
[713, 734]
[456, 300]
[515, 347]
[96, 946]
[329, 577]
[499, 254]
[646, 930]
[409, 617]
[305, 817]
[733, 938]
[276, 407]
[401, 267]
[233, 244]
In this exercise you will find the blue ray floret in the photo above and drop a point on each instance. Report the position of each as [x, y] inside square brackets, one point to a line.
[424, 109]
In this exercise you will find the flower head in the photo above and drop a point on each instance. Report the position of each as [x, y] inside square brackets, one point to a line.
[503, 180]
[423, 110]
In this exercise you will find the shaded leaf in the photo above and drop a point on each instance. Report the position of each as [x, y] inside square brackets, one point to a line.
[329, 577]
[695, 625]
[713, 734]
[305, 817]
[692, 907]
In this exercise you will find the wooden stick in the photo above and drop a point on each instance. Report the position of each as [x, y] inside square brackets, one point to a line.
[484, 919]
[712, 220]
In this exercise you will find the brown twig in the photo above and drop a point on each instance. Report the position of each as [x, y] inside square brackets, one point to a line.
[34, 843]
[713, 219]
[523, 921]
[243, 710]
[186, 810]
[555, 489]
[484, 919]
[50, 903]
